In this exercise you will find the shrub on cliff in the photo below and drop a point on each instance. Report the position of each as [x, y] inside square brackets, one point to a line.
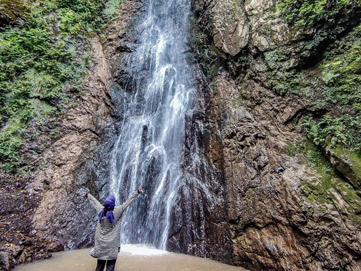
[307, 13]
[40, 63]
[329, 71]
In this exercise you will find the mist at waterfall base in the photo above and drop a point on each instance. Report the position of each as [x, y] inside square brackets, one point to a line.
[158, 95]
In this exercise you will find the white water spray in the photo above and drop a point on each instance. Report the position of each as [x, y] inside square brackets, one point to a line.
[149, 149]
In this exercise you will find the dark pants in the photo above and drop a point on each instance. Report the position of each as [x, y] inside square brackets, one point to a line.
[101, 265]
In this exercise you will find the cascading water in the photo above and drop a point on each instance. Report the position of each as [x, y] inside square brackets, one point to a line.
[149, 149]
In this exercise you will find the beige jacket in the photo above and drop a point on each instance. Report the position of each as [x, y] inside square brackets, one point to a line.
[107, 236]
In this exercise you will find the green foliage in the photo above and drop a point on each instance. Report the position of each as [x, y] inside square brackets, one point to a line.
[111, 7]
[340, 85]
[291, 149]
[329, 131]
[10, 142]
[38, 61]
[341, 74]
[307, 13]
[80, 16]
[333, 85]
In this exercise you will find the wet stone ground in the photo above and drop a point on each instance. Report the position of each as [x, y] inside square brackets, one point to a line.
[17, 241]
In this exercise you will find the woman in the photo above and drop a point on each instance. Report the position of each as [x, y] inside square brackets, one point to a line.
[107, 233]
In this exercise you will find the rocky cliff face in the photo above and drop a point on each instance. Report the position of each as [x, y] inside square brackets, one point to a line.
[71, 161]
[284, 212]
[270, 199]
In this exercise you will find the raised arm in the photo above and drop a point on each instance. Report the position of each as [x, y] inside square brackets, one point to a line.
[96, 204]
[120, 209]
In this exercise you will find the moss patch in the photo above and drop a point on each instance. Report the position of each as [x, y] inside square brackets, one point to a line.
[352, 156]
[326, 188]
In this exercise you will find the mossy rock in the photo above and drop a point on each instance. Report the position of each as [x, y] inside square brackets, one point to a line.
[355, 66]
[326, 191]
[346, 162]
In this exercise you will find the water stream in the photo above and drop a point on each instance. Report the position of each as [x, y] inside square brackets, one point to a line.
[149, 149]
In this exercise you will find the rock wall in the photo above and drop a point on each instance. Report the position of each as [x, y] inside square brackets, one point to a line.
[273, 223]
[263, 207]
[279, 216]
[70, 163]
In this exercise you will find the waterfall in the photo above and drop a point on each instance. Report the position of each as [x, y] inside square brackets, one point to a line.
[148, 152]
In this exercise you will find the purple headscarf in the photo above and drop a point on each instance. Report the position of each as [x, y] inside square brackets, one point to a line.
[108, 204]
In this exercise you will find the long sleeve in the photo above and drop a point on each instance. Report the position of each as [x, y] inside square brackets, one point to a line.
[96, 204]
[120, 209]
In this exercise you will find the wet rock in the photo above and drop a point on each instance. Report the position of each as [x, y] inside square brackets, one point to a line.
[5, 261]
[26, 242]
[279, 169]
[230, 29]
[233, 39]
[55, 247]
[17, 244]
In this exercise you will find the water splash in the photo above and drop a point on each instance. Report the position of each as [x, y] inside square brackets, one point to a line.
[149, 148]
[142, 250]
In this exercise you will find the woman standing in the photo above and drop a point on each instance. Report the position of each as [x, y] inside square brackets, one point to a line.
[107, 233]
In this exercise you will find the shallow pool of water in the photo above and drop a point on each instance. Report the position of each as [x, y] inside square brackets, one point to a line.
[131, 258]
